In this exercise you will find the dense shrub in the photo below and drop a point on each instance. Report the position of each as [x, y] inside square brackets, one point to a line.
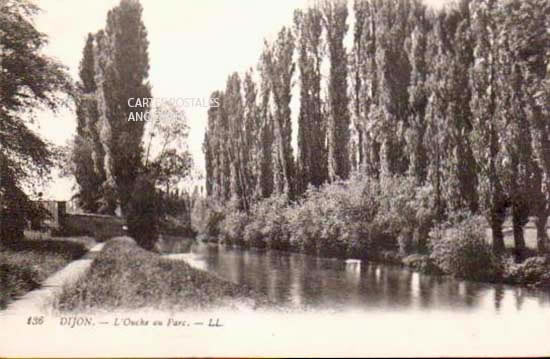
[422, 263]
[17, 212]
[405, 213]
[232, 227]
[15, 280]
[210, 226]
[25, 263]
[534, 271]
[330, 221]
[459, 248]
[267, 224]
[360, 217]
[143, 213]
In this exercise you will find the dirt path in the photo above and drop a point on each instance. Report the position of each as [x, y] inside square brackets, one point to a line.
[40, 301]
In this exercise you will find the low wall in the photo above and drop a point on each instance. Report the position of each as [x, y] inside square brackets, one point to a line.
[99, 226]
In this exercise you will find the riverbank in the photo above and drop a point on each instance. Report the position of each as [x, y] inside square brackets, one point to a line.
[125, 277]
[387, 221]
[26, 263]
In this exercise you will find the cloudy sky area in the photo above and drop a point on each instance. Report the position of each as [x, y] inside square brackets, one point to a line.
[194, 46]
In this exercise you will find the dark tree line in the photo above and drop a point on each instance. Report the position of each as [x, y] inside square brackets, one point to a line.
[456, 98]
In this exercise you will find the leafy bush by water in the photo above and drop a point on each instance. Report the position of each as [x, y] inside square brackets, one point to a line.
[357, 218]
[330, 221]
[459, 248]
[267, 224]
[232, 227]
[422, 263]
[534, 271]
[405, 212]
[209, 227]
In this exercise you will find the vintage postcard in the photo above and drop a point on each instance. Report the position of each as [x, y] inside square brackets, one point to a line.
[244, 178]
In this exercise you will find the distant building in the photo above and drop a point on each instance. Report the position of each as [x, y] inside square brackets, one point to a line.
[57, 210]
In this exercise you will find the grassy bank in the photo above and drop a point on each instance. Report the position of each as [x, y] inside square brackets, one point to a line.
[25, 264]
[124, 276]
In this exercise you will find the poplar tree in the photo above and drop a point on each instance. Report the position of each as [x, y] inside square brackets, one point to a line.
[208, 164]
[437, 140]
[265, 184]
[485, 133]
[233, 105]
[215, 149]
[416, 46]
[366, 43]
[358, 78]
[334, 15]
[523, 65]
[251, 137]
[87, 154]
[393, 75]
[311, 159]
[280, 69]
[122, 70]
[465, 168]
[451, 169]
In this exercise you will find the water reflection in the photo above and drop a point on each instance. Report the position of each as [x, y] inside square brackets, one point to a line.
[174, 244]
[307, 282]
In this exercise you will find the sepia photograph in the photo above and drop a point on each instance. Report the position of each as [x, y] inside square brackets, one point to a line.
[261, 178]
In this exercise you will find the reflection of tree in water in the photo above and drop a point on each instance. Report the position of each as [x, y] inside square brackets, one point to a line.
[499, 295]
[521, 295]
[519, 298]
[471, 294]
[306, 282]
[426, 290]
[297, 269]
[262, 275]
[397, 288]
[282, 279]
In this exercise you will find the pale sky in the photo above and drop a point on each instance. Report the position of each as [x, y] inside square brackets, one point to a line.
[193, 47]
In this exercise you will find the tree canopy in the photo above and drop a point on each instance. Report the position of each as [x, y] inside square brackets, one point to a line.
[29, 81]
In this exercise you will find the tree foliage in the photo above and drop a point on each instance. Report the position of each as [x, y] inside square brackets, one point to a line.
[455, 98]
[113, 70]
[29, 80]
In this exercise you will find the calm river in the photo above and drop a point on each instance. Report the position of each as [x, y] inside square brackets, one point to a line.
[298, 281]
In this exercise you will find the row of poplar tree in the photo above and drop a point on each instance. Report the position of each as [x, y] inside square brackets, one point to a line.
[458, 98]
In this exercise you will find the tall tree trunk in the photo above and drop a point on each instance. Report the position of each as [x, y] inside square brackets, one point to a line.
[519, 218]
[520, 211]
[498, 208]
[498, 237]
[542, 235]
[497, 219]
